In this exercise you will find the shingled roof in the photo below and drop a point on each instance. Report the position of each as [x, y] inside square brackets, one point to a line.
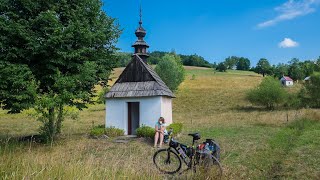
[139, 80]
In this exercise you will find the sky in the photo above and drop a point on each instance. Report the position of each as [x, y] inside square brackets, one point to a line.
[278, 30]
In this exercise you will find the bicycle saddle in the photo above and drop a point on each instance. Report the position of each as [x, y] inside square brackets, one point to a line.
[196, 136]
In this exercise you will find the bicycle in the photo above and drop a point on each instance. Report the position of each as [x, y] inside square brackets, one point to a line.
[169, 160]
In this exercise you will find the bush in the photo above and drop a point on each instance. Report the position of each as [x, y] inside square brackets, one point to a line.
[97, 131]
[145, 131]
[109, 131]
[171, 71]
[177, 127]
[114, 132]
[269, 93]
[221, 67]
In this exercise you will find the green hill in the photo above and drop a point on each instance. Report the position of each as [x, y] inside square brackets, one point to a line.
[256, 143]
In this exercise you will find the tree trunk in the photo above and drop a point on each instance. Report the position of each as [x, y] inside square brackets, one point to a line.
[59, 119]
[51, 128]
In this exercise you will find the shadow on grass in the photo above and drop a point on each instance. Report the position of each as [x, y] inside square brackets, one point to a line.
[36, 138]
[250, 109]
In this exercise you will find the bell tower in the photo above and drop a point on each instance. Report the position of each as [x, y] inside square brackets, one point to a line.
[140, 46]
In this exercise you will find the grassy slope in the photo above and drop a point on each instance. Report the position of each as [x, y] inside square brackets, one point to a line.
[255, 143]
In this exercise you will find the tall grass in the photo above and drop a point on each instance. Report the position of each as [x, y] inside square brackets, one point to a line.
[255, 143]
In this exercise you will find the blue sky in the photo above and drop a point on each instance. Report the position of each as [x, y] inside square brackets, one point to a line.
[274, 29]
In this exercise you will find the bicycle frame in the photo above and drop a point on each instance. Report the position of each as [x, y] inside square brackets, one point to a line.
[189, 159]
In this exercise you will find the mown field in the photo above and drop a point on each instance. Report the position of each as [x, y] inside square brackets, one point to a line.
[256, 143]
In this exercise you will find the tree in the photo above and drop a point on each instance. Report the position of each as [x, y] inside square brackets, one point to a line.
[52, 55]
[122, 59]
[263, 67]
[295, 70]
[243, 64]
[280, 70]
[231, 62]
[171, 71]
[221, 67]
[311, 91]
[269, 93]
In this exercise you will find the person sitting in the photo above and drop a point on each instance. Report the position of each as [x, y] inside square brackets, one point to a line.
[160, 129]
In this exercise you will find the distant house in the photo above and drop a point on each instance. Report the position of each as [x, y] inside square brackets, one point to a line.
[139, 96]
[286, 81]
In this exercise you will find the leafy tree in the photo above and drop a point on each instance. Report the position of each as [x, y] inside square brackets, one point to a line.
[280, 70]
[171, 71]
[263, 67]
[122, 59]
[311, 92]
[243, 64]
[221, 67]
[295, 70]
[155, 57]
[231, 62]
[269, 93]
[52, 55]
[317, 65]
[308, 67]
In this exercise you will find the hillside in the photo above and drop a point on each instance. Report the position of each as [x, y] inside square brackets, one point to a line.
[255, 143]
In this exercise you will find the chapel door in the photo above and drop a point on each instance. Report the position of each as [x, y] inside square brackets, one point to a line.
[133, 117]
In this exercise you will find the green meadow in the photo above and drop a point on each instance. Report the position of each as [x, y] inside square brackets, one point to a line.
[255, 143]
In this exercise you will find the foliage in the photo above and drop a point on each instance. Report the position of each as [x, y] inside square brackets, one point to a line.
[280, 70]
[240, 63]
[231, 62]
[269, 93]
[97, 131]
[263, 67]
[187, 60]
[145, 131]
[193, 77]
[295, 70]
[109, 131]
[17, 87]
[311, 91]
[102, 95]
[54, 53]
[243, 64]
[171, 71]
[177, 127]
[194, 60]
[114, 132]
[122, 59]
[221, 67]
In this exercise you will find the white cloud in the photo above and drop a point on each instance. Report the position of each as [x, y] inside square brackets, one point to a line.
[290, 10]
[288, 43]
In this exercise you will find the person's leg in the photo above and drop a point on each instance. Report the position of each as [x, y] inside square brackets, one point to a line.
[156, 137]
[161, 139]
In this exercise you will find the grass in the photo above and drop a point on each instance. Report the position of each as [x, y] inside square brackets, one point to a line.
[255, 143]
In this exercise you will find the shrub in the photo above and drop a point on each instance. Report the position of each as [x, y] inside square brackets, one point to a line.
[177, 127]
[114, 132]
[109, 131]
[145, 131]
[171, 71]
[97, 131]
[269, 93]
[221, 67]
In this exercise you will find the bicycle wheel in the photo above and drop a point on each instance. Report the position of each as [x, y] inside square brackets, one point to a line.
[211, 166]
[167, 161]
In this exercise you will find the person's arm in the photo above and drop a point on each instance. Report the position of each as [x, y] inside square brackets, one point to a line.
[162, 129]
[157, 129]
